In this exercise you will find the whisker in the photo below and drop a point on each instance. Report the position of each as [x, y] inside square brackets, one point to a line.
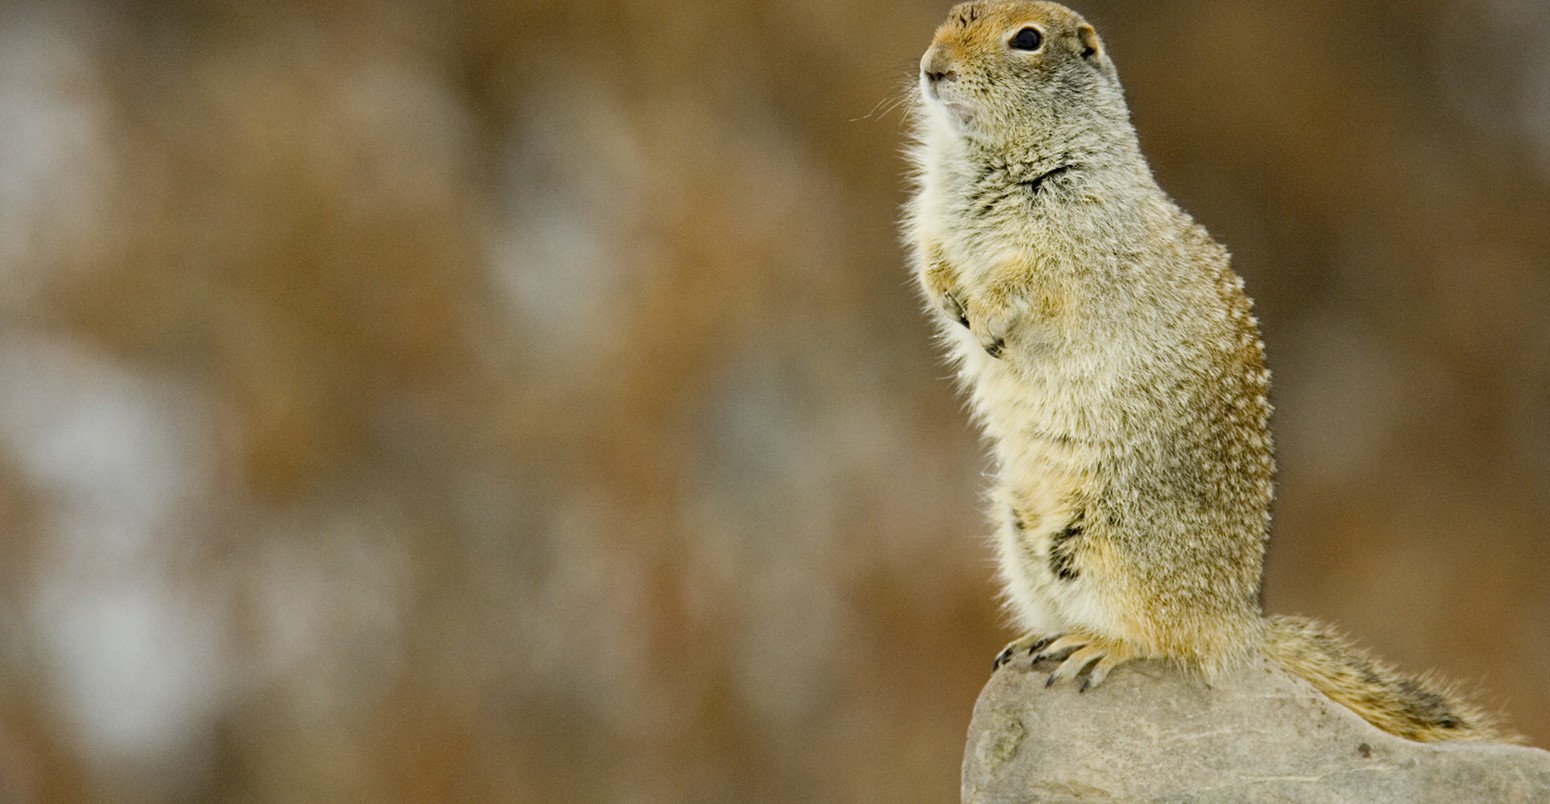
[885, 99]
[903, 96]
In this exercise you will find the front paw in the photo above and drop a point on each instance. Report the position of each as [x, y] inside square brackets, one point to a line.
[942, 290]
[994, 318]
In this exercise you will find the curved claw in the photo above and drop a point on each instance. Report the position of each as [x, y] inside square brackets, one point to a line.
[1085, 657]
[1030, 643]
[954, 309]
[1035, 648]
[1052, 652]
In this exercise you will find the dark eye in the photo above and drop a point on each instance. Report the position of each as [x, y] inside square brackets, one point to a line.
[1027, 39]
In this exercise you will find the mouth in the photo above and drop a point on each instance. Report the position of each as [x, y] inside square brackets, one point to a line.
[959, 111]
[956, 109]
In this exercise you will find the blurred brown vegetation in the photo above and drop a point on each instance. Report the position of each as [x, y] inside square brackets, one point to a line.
[431, 402]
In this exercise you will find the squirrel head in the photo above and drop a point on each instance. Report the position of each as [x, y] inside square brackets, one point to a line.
[1020, 74]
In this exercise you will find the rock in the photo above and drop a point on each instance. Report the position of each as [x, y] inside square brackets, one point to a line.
[1151, 733]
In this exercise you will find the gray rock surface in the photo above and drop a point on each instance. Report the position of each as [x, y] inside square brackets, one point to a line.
[1150, 733]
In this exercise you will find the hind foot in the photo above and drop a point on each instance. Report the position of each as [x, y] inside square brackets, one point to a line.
[1083, 655]
[1030, 644]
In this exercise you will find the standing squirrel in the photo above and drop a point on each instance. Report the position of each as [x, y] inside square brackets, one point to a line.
[1115, 363]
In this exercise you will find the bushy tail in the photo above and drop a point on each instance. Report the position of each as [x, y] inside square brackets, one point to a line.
[1416, 707]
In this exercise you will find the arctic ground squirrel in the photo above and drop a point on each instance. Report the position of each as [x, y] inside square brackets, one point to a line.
[1115, 364]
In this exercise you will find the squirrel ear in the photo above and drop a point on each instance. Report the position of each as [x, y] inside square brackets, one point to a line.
[1091, 51]
[1091, 48]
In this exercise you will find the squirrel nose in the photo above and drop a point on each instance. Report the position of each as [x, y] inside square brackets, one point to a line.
[935, 67]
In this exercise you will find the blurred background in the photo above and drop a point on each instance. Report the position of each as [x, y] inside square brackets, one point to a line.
[487, 402]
